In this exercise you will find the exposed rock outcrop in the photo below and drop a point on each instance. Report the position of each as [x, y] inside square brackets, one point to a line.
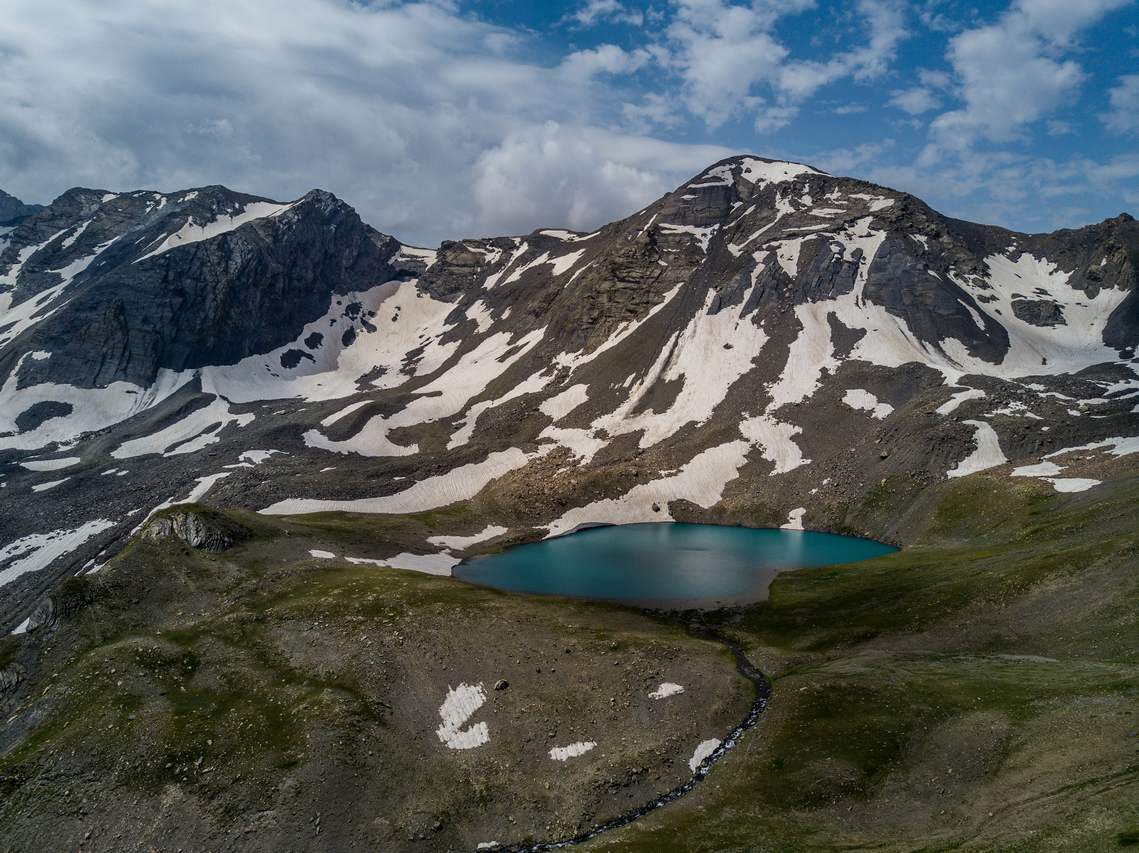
[198, 527]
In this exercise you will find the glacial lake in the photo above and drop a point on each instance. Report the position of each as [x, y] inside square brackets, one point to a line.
[664, 565]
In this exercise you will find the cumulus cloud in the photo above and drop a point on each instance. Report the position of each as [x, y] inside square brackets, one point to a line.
[730, 60]
[1123, 117]
[721, 52]
[1012, 73]
[605, 59]
[570, 176]
[915, 100]
[848, 161]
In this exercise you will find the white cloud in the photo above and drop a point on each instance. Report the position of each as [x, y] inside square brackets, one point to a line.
[722, 51]
[391, 107]
[730, 60]
[1060, 20]
[551, 175]
[915, 101]
[884, 21]
[1012, 73]
[933, 79]
[605, 59]
[1123, 117]
[650, 110]
[595, 11]
[772, 118]
[849, 161]
[437, 124]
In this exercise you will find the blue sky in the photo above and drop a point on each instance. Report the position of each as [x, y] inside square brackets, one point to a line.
[449, 119]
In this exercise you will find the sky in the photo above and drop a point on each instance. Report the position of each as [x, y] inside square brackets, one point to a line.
[451, 119]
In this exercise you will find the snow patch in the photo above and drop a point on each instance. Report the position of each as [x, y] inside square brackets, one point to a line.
[439, 564]
[39, 550]
[794, 519]
[703, 750]
[458, 484]
[564, 402]
[50, 464]
[761, 173]
[1042, 469]
[703, 235]
[258, 456]
[197, 430]
[191, 232]
[573, 750]
[858, 398]
[461, 704]
[461, 542]
[701, 481]
[957, 399]
[1071, 484]
[43, 487]
[986, 454]
[666, 689]
[445, 396]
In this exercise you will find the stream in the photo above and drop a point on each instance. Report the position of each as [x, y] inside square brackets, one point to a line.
[758, 705]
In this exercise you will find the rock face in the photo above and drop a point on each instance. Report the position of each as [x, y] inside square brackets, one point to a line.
[172, 283]
[10, 676]
[765, 338]
[193, 526]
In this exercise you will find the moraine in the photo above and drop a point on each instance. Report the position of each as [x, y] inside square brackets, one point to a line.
[670, 565]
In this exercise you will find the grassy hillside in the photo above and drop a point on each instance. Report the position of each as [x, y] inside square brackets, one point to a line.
[949, 697]
[977, 691]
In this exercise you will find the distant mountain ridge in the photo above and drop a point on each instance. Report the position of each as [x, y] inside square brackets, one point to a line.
[765, 339]
[13, 211]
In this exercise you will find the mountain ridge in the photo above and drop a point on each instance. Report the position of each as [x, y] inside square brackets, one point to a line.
[245, 443]
[686, 361]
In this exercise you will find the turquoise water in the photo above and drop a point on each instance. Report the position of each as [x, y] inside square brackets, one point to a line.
[664, 564]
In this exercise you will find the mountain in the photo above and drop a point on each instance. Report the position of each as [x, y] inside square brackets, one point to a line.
[12, 211]
[239, 438]
[764, 338]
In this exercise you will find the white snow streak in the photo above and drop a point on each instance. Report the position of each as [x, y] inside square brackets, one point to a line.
[458, 484]
[986, 454]
[50, 464]
[38, 550]
[191, 232]
[199, 429]
[573, 750]
[957, 399]
[460, 542]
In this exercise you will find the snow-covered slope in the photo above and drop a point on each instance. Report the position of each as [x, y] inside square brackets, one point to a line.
[766, 342]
